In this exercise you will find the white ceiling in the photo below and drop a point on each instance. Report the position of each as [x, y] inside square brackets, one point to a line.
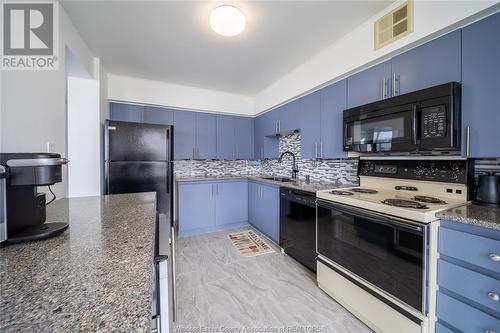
[171, 41]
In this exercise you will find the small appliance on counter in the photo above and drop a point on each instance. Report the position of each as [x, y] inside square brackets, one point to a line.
[488, 189]
[22, 208]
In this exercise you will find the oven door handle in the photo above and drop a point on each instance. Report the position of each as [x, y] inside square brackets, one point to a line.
[380, 218]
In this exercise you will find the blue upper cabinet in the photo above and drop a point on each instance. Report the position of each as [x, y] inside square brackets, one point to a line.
[155, 115]
[333, 103]
[430, 64]
[480, 82]
[270, 121]
[206, 136]
[310, 125]
[288, 114]
[370, 85]
[127, 112]
[244, 137]
[184, 134]
[259, 137]
[225, 137]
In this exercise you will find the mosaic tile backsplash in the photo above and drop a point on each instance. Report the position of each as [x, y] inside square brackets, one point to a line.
[343, 171]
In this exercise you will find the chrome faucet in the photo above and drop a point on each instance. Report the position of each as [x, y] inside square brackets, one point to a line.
[295, 170]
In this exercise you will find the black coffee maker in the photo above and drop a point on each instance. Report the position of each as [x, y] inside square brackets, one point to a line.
[24, 208]
[488, 189]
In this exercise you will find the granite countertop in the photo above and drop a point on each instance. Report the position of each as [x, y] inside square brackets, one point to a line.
[300, 184]
[95, 277]
[474, 214]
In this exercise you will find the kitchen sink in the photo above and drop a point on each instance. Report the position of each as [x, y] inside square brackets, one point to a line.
[280, 179]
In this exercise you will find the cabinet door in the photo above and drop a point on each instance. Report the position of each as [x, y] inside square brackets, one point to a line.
[333, 103]
[225, 137]
[127, 112]
[288, 113]
[271, 147]
[244, 140]
[368, 86]
[259, 136]
[310, 125]
[160, 116]
[184, 134]
[196, 206]
[431, 64]
[270, 121]
[480, 82]
[253, 197]
[206, 136]
[231, 202]
[269, 212]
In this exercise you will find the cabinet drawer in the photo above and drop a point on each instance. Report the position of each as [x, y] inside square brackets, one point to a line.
[469, 284]
[465, 317]
[469, 248]
[442, 329]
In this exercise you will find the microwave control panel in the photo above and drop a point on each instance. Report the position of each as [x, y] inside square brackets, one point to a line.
[433, 122]
[430, 170]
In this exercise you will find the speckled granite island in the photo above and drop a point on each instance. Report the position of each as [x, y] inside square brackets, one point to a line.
[95, 277]
[474, 214]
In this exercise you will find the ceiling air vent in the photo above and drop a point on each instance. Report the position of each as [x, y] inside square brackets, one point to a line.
[394, 25]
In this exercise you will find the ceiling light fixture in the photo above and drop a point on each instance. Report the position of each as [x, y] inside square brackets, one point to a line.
[227, 21]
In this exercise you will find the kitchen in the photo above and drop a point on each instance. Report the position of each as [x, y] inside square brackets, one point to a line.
[226, 179]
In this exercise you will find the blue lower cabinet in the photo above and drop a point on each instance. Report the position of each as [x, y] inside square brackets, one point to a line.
[468, 279]
[231, 202]
[264, 205]
[463, 317]
[126, 112]
[196, 207]
[207, 206]
[160, 116]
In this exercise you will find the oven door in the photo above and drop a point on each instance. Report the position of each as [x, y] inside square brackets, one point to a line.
[388, 130]
[387, 253]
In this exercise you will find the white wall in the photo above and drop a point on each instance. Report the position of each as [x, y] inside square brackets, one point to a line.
[33, 110]
[84, 146]
[128, 89]
[356, 50]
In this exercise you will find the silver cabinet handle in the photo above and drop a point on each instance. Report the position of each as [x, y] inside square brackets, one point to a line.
[279, 126]
[198, 153]
[467, 141]
[493, 296]
[212, 189]
[395, 84]
[321, 149]
[494, 257]
[315, 150]
[216, 189]
[194, 154]
[276, 127]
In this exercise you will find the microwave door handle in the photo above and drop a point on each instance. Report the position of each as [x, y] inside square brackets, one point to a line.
[414, 124]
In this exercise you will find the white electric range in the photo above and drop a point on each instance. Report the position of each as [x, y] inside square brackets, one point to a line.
[376, 243]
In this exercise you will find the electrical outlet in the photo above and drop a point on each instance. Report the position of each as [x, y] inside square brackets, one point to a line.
[51, 147]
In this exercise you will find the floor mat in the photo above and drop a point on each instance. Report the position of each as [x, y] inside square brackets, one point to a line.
[249, 244]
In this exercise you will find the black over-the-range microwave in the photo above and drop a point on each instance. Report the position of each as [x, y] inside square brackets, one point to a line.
[426, 120]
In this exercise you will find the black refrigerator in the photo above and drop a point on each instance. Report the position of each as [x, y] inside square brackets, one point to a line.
[138, 158]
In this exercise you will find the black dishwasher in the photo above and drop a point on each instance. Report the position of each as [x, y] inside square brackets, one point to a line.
[298, 225]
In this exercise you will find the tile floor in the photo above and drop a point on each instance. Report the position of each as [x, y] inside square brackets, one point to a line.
[217, 289]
